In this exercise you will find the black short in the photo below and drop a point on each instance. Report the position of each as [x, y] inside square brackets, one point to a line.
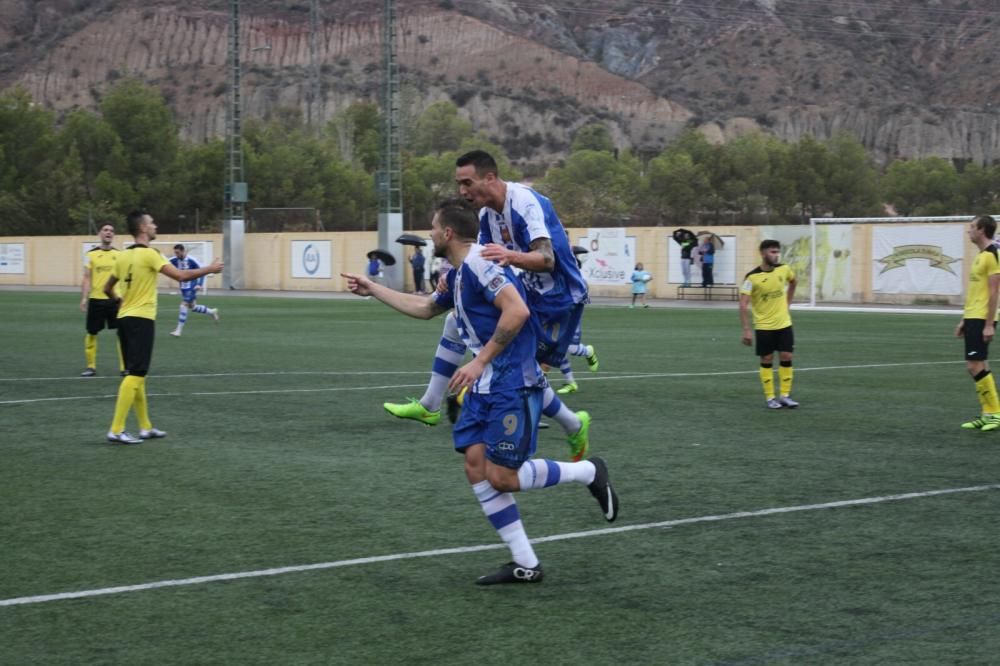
[768, 342]
[101, 313]
[976, 349]
[136, 335]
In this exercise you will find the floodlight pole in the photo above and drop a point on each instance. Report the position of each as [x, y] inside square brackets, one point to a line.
[235, 190]
[389, 178]
[314, 93]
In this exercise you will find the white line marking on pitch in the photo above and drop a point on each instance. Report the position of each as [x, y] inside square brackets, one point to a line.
[649, 375]
[198, 580]
[346, 373]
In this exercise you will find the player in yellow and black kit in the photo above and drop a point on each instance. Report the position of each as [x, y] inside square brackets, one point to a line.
[768, 290]
[135, 274]
[978, 324]
[102, 311]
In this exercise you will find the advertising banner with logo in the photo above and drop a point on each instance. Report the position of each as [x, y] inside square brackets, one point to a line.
[310, 259]
[611, 256]
[833, 258]
[725, 263]
[918, 259]
[12, 258]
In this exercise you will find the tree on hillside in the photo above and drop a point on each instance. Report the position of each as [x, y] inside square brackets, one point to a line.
[440, 129]
[675, 186]
[852, 181]
[593, 188]
[809, 169]
[594, 136]
[145, 125]
[27, 140]
[927, 186]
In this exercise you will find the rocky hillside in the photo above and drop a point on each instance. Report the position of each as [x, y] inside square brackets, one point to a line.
[909, 79]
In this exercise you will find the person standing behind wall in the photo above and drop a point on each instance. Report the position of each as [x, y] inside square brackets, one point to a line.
[707, 263]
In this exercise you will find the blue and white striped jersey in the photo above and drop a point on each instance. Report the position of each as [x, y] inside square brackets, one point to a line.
[528, 215]
[185, 264]
[472, 287]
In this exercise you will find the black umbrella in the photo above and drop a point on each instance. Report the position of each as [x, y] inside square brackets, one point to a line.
[579, 249]
[716, 241]
[411, 239]
[681, 235]
[382, 256]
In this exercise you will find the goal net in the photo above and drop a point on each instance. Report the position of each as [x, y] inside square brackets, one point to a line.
[894, 261]
[201, 251]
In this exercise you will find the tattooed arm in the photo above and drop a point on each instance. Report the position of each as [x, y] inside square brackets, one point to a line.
[513, 315]
[541, 258]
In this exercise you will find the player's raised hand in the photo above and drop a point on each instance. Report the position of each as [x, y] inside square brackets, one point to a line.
[358, 284]
[216, 266]
[497, 253]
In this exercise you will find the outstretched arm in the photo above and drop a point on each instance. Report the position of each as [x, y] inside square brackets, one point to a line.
[174, 273]
[413, 305]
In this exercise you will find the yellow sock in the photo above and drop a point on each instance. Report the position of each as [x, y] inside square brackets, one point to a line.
[121, 358]
[767, 381]
[126, 398]
[141, 406]
[90, 350]
[986, 387]
[785, 377]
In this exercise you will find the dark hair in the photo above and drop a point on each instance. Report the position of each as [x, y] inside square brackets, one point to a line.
[986, 224]
[133, 220]
[768, 244]
[107, 224]
[480, 159]
[178, 247]
[459, 215]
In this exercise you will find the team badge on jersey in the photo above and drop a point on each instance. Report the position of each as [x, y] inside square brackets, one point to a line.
[505, 233]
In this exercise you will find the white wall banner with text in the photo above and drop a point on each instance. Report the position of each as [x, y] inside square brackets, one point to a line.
[611, 256]
[917, 259]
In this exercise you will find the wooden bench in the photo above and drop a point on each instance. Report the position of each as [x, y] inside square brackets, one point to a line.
[718, 292]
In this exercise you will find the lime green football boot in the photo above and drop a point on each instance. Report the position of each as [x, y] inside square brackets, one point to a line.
[413, 410]
[592, 361]
[579, 443]
[570, 387]
[990, 422]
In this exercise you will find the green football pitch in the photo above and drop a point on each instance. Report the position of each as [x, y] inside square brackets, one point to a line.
[288, 519]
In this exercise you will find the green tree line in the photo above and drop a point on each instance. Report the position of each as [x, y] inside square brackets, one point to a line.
[58, 175]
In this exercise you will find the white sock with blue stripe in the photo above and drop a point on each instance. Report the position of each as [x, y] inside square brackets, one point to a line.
[449, 354]
[501, 510]
[182, 316]
[554, 408]
[578, 350]
[567, 370]
[200, 309]
[543, 473]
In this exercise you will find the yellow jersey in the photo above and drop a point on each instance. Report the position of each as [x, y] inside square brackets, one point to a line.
[136, 269]
[100, 263]
[766, 290]
[978, 295]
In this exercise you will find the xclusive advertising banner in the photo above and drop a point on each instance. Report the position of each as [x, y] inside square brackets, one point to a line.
[310, 259]
[610, 258]
[917, 259]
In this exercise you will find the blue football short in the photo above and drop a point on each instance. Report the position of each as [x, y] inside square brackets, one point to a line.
[507, 423]
[189, 295]
[555, 333]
